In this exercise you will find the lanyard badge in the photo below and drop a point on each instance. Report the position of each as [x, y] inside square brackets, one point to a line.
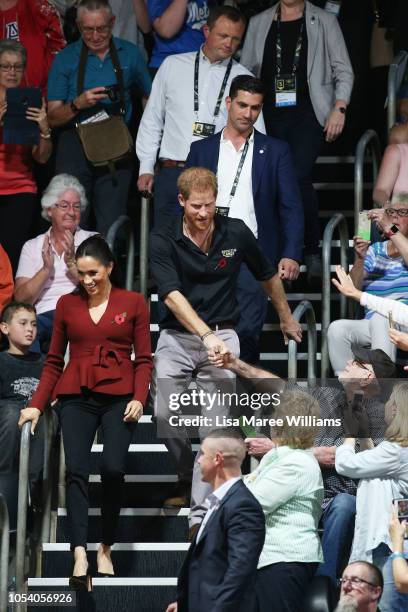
[200, 129]
[285, 84]
[224, 210]
[333, 7]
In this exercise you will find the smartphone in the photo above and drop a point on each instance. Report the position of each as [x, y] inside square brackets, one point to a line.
[248, 430]
[391, 320]
[357, 405]
[402, 509]
[364, 225]
[17, 128]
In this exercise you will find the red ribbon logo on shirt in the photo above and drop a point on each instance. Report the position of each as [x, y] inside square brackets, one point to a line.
[119, 319]
[221, 264]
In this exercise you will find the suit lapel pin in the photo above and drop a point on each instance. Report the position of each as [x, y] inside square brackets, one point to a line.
[261, 151]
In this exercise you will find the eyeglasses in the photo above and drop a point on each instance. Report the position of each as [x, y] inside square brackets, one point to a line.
[361, 364]
[10, 67]
[399, 212]
[355, 581]
[88, 31]
[67, 205]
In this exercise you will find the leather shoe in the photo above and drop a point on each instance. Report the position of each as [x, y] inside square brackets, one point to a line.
[192, 531]
[180, 497]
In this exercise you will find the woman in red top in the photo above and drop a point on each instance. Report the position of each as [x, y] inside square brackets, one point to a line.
[18, 190]
[101, 386]
[36, 24]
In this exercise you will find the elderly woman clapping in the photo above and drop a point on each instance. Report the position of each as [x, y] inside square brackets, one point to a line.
[46, 269]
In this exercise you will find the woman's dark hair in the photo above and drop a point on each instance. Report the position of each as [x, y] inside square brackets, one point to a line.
[98, 248]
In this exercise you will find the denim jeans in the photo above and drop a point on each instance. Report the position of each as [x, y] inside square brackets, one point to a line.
[338, 523]
[391, 600]
[45, 322]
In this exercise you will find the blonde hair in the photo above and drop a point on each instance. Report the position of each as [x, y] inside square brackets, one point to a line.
[397, 431]
[196, 179]
[400, 198]
[296, 403]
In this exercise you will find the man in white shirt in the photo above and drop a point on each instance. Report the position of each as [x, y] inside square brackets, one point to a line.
[257, 183]
[219, 571]
[361, 587]
[186, 104]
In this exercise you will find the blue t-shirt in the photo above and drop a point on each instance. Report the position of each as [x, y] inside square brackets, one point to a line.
[386, 276]
[189, 38]
[62, 79]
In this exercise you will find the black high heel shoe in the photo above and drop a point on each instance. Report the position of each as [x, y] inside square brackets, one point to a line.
[81, 583]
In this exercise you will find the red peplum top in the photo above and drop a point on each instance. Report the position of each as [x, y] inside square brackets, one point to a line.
[99, 353]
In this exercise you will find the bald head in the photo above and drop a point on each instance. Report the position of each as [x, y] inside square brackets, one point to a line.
[222, 453]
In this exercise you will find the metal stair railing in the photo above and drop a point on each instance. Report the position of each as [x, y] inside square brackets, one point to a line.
[396, 74]
[124, 222]
[304, 308]
[369, 140]
[144, 245]
[338, 220]
[4, 552]
[22, 510]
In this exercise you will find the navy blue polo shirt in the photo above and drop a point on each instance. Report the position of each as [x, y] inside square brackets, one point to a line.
[62, 79]
[208, 282]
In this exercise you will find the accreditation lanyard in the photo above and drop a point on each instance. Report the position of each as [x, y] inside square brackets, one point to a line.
[200, 128]
[224, 210]
[298, 49]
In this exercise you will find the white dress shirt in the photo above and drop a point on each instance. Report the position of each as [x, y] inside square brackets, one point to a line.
[219, 493]
[60, 283]
[241, 205]
[383, 476]
[167, 121]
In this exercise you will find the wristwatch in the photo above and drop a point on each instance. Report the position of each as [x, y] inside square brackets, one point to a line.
[341, 109]
[393, 230]
[74, 107]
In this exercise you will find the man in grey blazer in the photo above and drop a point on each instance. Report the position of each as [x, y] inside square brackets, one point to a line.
[299, 52]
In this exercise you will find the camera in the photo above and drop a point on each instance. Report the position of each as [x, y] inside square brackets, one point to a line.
[112, 92]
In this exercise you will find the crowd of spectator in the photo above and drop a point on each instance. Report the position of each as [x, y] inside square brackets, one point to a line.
[226, 143]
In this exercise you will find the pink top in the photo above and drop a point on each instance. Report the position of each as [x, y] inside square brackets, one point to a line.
[401, 184]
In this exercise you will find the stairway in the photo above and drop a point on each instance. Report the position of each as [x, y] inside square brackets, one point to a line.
[152, 542]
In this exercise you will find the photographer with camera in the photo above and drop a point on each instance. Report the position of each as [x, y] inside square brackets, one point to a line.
[89, 97]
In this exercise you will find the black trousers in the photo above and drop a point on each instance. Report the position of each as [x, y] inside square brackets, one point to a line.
[17, 213]
[281, 587]
[304, 135]
[80, 416]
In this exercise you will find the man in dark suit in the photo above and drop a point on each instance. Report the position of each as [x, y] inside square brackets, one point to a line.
[257, 183]
[219, 571]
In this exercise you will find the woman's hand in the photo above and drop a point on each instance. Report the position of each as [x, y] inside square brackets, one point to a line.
[48, 256]
[399, 338]
[397, 531]
[29, 414]
[39, 115]
[68, 245]
[360, 246]
[133, 412]
[3, 109]
[345, 284]
[380, 218]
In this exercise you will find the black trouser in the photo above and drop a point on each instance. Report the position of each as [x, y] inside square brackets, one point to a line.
[166, 204]
[17, 214]
[107, 194]
[80, 416]
[304, 135]
[281, 587]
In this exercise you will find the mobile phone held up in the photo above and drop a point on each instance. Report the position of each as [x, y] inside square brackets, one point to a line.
[364, 225]
[402, 509]
[17, 129]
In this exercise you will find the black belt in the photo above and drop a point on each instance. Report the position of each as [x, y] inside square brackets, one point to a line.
[221, 325]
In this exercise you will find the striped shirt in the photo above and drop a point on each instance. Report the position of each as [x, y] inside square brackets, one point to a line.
[385, 276]
[288, 484]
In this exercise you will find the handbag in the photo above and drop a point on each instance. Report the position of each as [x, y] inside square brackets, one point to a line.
[381, 47]
[108, 141]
